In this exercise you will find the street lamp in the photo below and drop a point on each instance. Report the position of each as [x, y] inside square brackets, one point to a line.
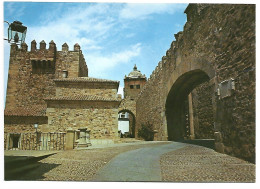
[36, 126]
[16, 32]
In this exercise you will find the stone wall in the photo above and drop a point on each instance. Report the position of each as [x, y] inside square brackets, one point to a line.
[218, 41]
[86, 88]
[24, 124]
[202, 112]
[99, 117]
[133, 93]
[31, 73]
[72, 61]
[83, 69]
[128, 105]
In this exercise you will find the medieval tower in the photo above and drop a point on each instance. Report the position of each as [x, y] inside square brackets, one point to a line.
[133, 84]
[50, 94]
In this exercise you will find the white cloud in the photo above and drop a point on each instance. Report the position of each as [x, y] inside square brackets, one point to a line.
[12, 9]
[130, 35]
[98, 63]
[85, 24]
[142, 11]
[91, 26]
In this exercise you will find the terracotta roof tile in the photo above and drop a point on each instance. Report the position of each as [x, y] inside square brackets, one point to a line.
[83, 98]
[85, 79]
[34, 110]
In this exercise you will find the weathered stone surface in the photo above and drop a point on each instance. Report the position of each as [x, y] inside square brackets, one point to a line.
[217, 44]
[133, 84]
[33, 84]
[203, 111]
[100, 118]
[38, 93]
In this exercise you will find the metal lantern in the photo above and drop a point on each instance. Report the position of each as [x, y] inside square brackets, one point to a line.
[36, 126]
[16, 32]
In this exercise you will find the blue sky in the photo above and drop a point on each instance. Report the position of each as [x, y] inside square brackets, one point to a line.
[112, 36]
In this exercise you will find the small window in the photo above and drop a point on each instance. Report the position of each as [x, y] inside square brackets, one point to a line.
[131, 86]
[138, 86]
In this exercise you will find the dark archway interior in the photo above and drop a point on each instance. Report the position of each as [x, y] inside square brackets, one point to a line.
[131, 122]
[176, 99]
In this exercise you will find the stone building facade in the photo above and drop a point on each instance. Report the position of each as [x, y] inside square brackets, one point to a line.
[52, 88]
[211, 63]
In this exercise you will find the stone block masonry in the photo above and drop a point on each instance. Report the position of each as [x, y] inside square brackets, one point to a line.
[52, 88]
[31, 73]
[99, 117]
[216, 45]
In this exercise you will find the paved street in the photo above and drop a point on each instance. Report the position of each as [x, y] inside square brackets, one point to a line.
[176, 162]
[137, 165]
[144, 161]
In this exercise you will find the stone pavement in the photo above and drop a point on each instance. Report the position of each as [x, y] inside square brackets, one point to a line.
[176, 162]
[198, 164]
[83, 164]
[143, 161]
[137, 165]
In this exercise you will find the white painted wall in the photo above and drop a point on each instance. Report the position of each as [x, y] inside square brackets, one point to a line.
[123, 126]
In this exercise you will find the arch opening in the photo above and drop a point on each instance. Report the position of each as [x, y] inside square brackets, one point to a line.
[126, 123]
[180, 108]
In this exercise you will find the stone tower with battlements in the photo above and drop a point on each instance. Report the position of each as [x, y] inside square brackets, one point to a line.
[51, 89]
[31, 73]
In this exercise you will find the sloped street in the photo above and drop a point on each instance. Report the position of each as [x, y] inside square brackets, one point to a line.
[144, 161]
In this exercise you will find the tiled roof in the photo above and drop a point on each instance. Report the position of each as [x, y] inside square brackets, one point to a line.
[34, 110]
[85, 79]
[83, 98]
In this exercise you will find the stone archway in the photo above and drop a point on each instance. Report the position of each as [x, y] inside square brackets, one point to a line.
[176, 102]
[132, 122]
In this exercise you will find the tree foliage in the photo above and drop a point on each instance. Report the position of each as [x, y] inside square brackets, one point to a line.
[146, 132]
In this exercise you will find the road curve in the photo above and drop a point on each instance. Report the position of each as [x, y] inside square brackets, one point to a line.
[137, 165]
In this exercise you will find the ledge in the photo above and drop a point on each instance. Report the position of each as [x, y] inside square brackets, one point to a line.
[85, 80]
[82, 98]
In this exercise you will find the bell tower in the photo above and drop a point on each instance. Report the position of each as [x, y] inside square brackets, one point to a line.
[134, 83]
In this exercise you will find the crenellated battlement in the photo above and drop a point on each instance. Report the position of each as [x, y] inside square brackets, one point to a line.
[214, 47]
[40, 65]
[43, 47]
[43, 59]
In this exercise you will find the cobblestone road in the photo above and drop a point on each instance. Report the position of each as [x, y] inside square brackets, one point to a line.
[199, 164]
[79, 165]
[189, 164]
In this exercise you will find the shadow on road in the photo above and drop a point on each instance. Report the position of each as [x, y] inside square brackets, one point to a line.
[208, 143]
[26, 167]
